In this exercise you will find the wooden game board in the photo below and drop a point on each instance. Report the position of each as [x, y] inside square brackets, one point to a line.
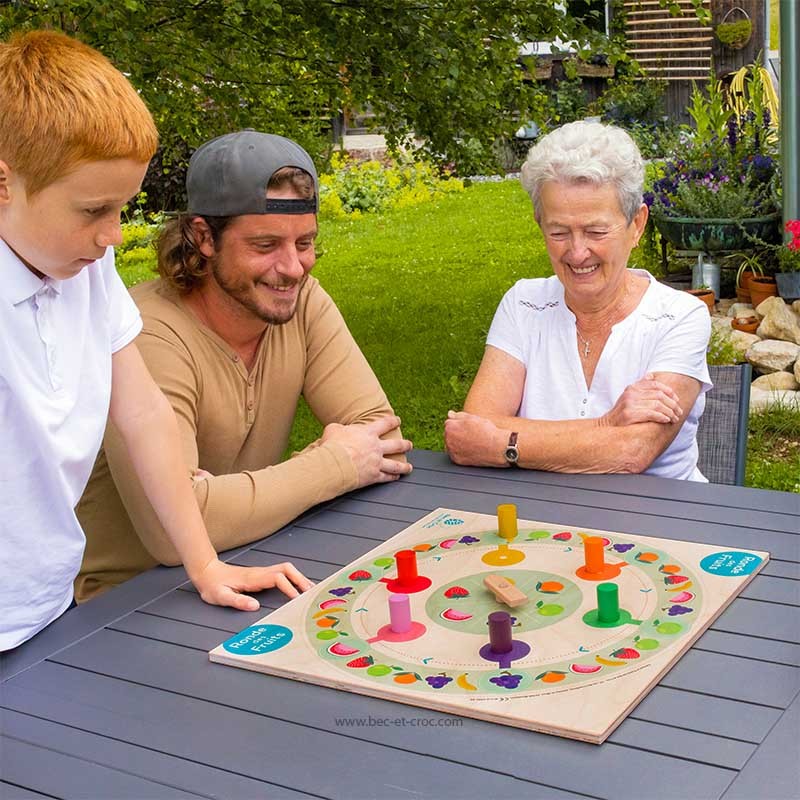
[578, 680]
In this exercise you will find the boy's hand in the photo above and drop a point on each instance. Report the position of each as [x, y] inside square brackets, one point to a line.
[222, 584]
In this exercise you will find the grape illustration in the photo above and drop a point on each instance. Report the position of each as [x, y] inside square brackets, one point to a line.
[506, 680]
[623, 548]
[468, 540]
[341, 591]
[676, 610]
[438, 681]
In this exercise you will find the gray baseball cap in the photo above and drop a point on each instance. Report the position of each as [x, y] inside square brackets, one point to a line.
[228, 176]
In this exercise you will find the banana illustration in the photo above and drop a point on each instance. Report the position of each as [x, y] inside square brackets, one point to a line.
[326, 612]
[607, 662]
[462, 681]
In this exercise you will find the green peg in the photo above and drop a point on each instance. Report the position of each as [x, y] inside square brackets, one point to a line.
[607, 603]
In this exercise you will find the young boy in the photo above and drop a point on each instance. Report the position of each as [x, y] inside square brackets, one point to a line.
[75, 140]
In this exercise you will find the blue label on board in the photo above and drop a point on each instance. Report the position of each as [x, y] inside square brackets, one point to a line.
[731, 563]
[258, 639]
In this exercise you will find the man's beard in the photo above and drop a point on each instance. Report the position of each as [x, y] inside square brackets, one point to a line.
[244, 293]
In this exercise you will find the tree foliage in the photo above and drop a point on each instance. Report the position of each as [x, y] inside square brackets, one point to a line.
[445, 69]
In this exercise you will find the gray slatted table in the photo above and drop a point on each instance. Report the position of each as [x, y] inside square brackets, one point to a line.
[118, 698]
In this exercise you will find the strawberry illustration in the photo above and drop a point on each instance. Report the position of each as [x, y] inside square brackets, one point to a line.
[363, 661]
[625, 652]
[564, 536]
[359, 575]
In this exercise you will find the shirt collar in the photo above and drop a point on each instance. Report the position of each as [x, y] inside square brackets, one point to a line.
[18, 283]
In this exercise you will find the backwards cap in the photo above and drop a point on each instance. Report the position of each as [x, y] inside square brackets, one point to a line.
[228, 176]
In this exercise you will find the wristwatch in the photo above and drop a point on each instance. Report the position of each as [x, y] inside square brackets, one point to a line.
[511, 452]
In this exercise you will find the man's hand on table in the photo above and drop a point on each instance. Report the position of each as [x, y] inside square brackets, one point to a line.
[371, 454]
[223, 584]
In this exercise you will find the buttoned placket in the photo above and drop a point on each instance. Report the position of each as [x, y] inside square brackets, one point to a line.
[249, 398]
[43, 304]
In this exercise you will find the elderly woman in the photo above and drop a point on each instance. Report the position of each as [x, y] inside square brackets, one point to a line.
[598, 368]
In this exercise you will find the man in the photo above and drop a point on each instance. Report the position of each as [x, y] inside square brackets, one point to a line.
[235, 331]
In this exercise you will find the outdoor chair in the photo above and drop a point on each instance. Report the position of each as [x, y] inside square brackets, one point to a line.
[722, 432]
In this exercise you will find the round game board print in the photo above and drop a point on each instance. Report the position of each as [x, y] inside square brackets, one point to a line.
[564, 644]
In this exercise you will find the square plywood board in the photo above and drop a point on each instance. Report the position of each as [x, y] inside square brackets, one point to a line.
[566, 674]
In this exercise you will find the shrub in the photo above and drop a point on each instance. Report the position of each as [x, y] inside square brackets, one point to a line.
[356, 188]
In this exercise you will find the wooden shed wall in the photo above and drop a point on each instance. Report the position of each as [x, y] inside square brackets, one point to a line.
[680, 50]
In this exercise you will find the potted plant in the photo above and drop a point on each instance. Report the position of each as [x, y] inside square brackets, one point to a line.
[721, 192]
[762, 287]
[749, 267]
[735, 29]
[706, 295]
[788, 278]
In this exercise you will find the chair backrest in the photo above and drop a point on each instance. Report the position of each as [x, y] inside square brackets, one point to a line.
[722, 432]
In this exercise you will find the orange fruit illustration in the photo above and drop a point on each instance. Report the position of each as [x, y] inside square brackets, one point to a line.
[647, 557]
[552, 677]
[551, 586]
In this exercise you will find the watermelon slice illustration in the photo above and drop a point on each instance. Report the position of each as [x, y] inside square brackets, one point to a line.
[333, 602]
[585, 669]
[359, 575]
[454, 616]
[564, 536]
[448, 543]
[340, 649]
[457, 592]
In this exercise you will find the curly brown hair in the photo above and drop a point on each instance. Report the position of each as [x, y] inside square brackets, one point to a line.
[181, 264]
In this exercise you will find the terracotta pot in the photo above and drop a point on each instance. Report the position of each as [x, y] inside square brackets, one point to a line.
[743, 287]
[706, 295]
[761, 288]
[746, 324]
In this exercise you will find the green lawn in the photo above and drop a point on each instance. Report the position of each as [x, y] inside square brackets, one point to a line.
[418, 287]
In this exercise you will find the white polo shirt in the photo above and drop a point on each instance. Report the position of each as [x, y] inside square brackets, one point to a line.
[667, 332]
[55, 385]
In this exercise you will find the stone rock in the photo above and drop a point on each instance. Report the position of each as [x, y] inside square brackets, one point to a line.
[742, 342]
[721, 324]
[796, 306]
[723, 306]
[772, 356]
[776, 380]
[779, 321]
[761, 399]
[797, 370]
[741, 310]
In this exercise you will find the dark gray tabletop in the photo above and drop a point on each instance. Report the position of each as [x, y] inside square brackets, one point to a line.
[118, 698]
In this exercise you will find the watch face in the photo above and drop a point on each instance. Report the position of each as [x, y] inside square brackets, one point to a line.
[512, 455]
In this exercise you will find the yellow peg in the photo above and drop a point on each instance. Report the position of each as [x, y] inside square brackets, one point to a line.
[507, 521]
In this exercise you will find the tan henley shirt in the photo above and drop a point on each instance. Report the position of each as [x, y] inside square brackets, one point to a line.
[235, 425]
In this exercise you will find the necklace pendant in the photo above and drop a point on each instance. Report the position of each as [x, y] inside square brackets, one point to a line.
[586, 350]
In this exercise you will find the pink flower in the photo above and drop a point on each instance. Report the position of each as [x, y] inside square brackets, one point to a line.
[793, 227]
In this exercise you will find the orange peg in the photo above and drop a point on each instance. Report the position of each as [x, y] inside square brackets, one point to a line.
[593, 552]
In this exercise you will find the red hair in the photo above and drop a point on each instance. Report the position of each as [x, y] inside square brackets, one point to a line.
[62, 104]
